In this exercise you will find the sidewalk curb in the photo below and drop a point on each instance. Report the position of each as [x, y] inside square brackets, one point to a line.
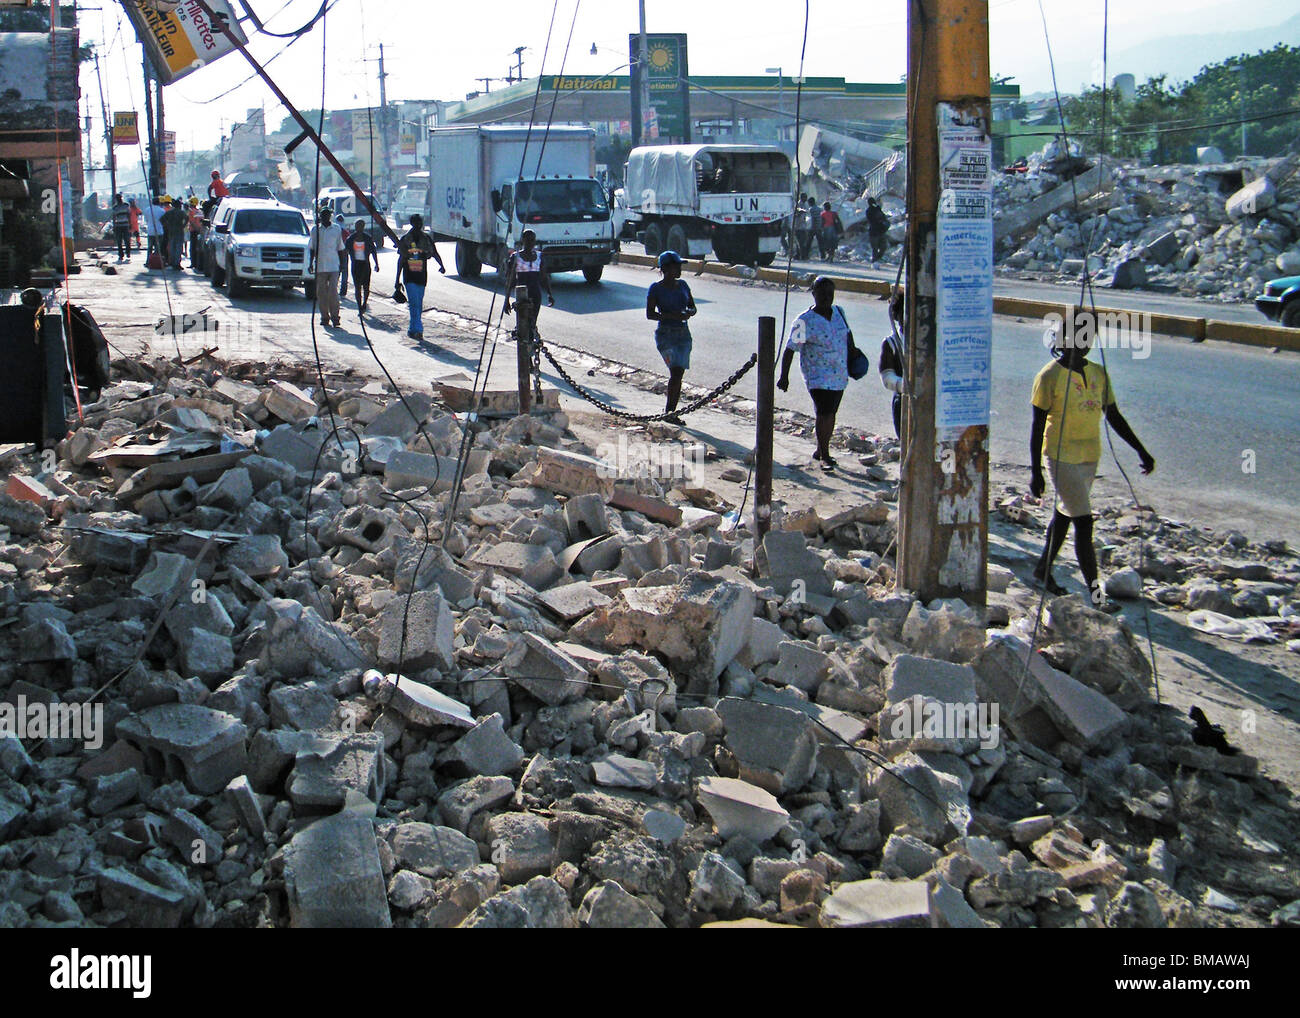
[1180, 326]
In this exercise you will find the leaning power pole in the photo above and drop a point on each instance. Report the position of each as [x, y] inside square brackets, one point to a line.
[943, 503]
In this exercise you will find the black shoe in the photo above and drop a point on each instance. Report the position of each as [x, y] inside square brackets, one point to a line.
[828, 464]
[817, 454]
[1049, 584]
[674, 419]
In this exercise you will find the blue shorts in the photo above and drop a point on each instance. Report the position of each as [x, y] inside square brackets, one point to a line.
[673, 339]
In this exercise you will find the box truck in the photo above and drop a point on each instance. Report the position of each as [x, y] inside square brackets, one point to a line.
[489, 184]
[735, 199]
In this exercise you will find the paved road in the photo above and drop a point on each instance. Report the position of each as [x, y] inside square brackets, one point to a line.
[1199, 408]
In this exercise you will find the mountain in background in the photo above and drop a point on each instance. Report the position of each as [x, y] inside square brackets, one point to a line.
[1178, 57]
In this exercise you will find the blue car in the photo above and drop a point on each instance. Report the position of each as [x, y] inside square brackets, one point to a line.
[1280, 301]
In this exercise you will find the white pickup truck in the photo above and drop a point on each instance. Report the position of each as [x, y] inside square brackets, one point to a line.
[733, 199]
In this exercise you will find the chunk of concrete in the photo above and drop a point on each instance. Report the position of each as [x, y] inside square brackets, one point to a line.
[259, 555]
[533, 564]
[574, 600]
[618, 771]
[434, 852]
[418, 703]
[739, 808]
[300, 642]
[607, 906]
[868, 904]
[908, 676]
[585, 517]
[333, 877]
[920, 800]
[459, 805]
[163, 575]
[327, 768]
[792, 566]
[548, 673]
[801, 665]
[522, 846]
[775, 747]
[429, 632]
[148, 904]
[181, 741]
[570, 473]
[484, 749]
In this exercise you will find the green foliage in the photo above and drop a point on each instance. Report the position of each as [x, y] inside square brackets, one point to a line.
[31, 234]
[1166, 122]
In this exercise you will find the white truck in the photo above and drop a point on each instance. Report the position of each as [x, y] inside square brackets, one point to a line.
[735, 199]
[486, 188]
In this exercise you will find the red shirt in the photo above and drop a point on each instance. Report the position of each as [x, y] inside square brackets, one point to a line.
[828, 217]
[218, 189]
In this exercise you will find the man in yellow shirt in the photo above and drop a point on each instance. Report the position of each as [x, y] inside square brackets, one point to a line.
[1070, 396]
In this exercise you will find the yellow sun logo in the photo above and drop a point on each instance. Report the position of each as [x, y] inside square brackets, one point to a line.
[660, 57]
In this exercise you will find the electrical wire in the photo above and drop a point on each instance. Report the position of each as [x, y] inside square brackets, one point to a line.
[296, 33]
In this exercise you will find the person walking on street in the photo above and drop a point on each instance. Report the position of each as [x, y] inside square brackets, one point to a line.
[174, 223]
[803, 218]
[345, 261]
[133, 211]
[525, 268]
[361, 250]
[154, 228]
[893, 359]
[669, 302]
[824, 341]
[877, 229]
[414, 250]
[1070, 397]
[195, 217]
[831, 228]
[122, 228]
[324, 245]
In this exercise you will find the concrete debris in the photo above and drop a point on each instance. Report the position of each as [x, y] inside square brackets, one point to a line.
[594, 704]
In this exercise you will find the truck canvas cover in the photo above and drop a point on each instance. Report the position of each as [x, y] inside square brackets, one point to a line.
[663, 179]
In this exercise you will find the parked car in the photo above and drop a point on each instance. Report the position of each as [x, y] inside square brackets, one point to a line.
[1280, 301]
[220, 213]
[260, 243]
[348, 209]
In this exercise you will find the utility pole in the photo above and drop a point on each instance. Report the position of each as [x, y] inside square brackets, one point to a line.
[108, 131]
[151, 185]
[487, 84]
[518, 75]
[643, 82]
[385, 138]
[158, 137]
[943, 504]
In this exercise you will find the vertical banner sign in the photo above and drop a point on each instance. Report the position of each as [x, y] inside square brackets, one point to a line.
[126, 128]
[667, 71]
[169, 147]
[65, 198]
[181, 40]
[964, 275]
[407, 142]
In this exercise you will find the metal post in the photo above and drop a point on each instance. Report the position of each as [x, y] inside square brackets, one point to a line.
[763, 427]
[525, 315]
[643, 84]
[108, 133]
[943, 504]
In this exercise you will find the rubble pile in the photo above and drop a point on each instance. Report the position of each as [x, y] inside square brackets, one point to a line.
[1219, 231]
[581, 702]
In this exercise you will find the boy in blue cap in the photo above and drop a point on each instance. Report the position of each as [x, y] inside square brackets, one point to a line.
[669, 302]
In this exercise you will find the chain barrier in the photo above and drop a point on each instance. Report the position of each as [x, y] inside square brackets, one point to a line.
[600, 404]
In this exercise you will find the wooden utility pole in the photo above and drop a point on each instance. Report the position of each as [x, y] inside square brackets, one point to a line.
[763, 436]
[943, 504]
[108, 135]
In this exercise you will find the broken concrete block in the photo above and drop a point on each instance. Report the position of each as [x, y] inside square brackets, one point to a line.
[618, 771]
[459, 805]
[1125, 584]
[418, 703]
[332, 766]
[163, 575]
[739, 808]
[484, 749]
[258, 555]
[574, 600]
[917, 799]
[299, 642]
[700, 625]
[239, 793]
[148, 904]
[362, 526]
[764, 644]
[333, 878]
[608, 907]
[429, 632]
[204, 748]
[297, 448]
[288, 402]
[949, 909]
[715, 886]
[801, 665]
[792, 567]
[434, 852]
[1009, 673]
[569, 473]
[14, 761]
[111, 791]
[1253, 198]
[867, 904]
[548, 673]
[908, 676]
[775, 747]
[206, 655]
[45, 640]
[1130, 273]
[522, 846]
[232, 491]
[943, 634]
[533, 564]
[192, 838]
[539, 904]
[306, 707]
[420, 470]
[402, 417]
[585, 517]
[1098, 651]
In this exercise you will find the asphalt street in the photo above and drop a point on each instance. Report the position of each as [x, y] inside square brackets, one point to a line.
[1222, 421]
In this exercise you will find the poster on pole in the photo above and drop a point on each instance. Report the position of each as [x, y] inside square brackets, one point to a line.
[964, 274]
[169, 147]
[126, 128]
[182, 40]
[667, 74]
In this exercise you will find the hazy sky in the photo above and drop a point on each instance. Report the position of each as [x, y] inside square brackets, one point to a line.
[436, 50]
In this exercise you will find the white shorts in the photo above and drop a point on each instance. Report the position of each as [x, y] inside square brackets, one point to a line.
[1073, 484]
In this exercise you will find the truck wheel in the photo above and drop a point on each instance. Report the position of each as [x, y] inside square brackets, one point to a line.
[766, 258]
[677, 241]
[309, 289]
[654, 240]
[468, 265]
[1290, 316]
[235, 287]
[592, 273]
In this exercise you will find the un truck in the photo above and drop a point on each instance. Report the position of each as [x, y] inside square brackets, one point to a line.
[487, 185]
[733, 199]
